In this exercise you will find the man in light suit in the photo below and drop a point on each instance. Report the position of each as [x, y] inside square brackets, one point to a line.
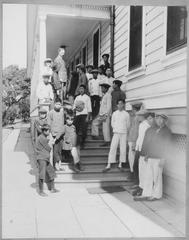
[60, 68]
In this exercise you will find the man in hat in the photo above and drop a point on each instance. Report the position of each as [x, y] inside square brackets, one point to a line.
[88, 73]
[44, 91]
[155, 150]
[60, 68]
[117, 94]
[105, 112]
[106, 64]
[95, 93]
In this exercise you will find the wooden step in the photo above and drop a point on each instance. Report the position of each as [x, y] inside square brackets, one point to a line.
[92, 169]
[94, 151]
[89, 177]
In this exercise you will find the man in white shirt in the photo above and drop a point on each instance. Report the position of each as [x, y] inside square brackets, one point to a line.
[94, 91]
[44, 91]
[88, 73]
[82, 106]
[105, 113]
[120, 124]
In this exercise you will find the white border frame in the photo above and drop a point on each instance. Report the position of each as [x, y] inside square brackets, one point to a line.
[140, 70]
[99, 47]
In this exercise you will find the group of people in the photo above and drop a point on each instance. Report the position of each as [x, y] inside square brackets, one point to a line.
[95, 96]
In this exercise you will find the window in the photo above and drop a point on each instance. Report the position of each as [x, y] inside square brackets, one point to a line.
[96, 48]
[135, 45]
[176, 28]
[84, 55]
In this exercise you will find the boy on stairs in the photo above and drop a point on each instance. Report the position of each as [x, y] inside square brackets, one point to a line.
[120, 124]
[46, 170]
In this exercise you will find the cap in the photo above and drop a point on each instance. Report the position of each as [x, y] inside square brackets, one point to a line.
[105, 55]
[95, 71]
[141, 112]
[48, 60]
[116, 81]
[42, 110]
[106, 85]
[63, 46]
[162, 115]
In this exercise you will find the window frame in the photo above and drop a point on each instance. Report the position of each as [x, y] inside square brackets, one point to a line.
[98, 27]
[174, 57]
[138, 71]
[179, 46]
[84, 46]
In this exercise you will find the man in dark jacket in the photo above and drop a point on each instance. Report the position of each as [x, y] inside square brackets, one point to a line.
[155, 150]
[117, 94]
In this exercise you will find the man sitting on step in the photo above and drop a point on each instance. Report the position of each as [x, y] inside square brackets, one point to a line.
[120, 124]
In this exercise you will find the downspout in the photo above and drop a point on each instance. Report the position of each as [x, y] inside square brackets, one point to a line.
[112, 28]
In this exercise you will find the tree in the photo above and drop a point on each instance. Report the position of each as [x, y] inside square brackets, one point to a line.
[16, 91]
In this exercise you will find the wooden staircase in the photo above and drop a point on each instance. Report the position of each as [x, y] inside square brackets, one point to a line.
[93, 159]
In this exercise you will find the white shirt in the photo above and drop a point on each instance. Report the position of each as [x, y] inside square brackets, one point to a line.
[48, 70]
[87, 104]
[120, 121]
[94, 87]
[45, 92]
[143, 126]
[110, 82]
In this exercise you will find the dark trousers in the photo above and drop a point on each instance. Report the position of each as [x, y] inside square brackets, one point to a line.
[81, 128]
[135, 166]
[57, 151]
[95, 104]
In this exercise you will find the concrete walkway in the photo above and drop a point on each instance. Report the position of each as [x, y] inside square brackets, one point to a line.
[74, 213]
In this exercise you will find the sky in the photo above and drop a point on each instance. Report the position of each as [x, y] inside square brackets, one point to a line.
[14, 35]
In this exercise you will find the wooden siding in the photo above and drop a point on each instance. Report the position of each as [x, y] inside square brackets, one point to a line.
[159, 87]
[121, 42]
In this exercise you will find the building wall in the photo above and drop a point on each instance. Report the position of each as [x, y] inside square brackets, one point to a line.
[160, 84]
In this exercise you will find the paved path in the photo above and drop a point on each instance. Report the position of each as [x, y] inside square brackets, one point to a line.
[74, 213]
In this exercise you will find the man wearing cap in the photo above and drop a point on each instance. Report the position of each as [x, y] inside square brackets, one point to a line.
[117, 94]
[106, 64]
[60, 68]
[156, 149]
[105, 112]
[44, 91]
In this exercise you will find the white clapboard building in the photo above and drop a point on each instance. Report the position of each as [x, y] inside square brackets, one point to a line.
[147, 47]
